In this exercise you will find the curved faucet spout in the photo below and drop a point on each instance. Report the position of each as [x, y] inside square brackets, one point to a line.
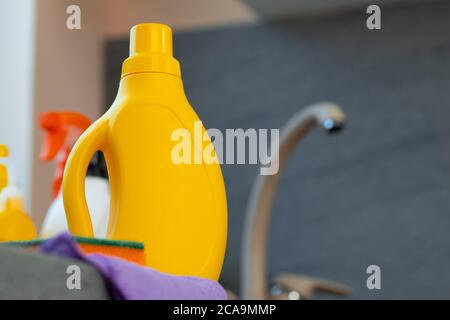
[254, 253]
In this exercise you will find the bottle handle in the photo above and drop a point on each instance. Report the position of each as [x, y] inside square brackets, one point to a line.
[73, 186]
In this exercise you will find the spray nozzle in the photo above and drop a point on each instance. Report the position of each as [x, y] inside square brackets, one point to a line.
[62, 129]
[4, 152]
[10, 195]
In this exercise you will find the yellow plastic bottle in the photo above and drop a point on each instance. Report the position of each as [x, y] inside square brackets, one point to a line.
[15, 224]
[178, 211]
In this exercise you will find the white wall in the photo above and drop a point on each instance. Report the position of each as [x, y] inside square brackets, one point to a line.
[17, 21]
[119, 16]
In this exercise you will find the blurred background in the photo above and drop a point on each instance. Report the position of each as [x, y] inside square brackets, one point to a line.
[379, 193]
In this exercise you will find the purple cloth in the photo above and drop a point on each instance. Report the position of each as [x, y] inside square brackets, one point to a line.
[127, 280]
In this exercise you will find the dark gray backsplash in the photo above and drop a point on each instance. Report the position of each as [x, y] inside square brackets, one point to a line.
[379, 193]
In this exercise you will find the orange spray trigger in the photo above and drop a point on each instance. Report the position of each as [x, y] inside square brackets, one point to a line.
[62, 130]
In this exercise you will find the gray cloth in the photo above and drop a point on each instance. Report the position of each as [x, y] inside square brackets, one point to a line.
[32, 276]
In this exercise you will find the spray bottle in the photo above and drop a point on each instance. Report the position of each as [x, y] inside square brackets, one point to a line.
[62, 130]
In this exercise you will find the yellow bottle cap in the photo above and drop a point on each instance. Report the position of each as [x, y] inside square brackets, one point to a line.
[151, 37]
[4, 152]
[151, 50]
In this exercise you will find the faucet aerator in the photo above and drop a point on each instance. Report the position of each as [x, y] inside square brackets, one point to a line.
[332, 126]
